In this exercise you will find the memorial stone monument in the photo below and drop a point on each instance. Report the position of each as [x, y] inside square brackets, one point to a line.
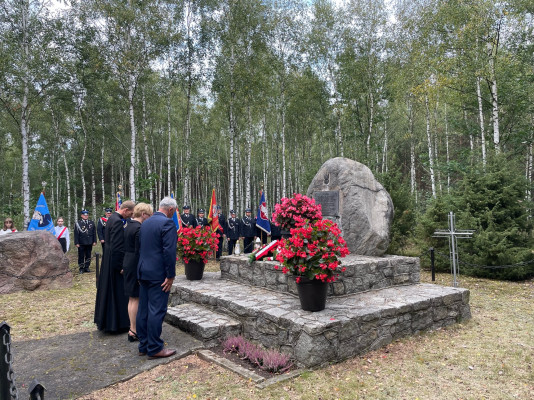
[351, 196]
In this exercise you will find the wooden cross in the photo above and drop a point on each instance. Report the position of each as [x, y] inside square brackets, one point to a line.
[452, 234]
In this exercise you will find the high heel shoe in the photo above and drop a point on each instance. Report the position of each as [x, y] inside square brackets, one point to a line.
[133, 337]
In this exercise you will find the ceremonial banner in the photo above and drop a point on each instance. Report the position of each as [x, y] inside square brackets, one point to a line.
[118, 201]
[213, 215]
[177, 221]
[262, 219]
[41, 219]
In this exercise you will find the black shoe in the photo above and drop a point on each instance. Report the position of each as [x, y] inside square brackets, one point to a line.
[81, 271]
[87, 270]
[217, 259]
[133, 337]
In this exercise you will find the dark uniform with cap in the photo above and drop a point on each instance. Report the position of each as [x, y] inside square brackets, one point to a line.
[248, 231]
[101, 228]
[276, 233]
[188, 220]
[221, 232]
[233, 231]
[201, 220]
[84, 240]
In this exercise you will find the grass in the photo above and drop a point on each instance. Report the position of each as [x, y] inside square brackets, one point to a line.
[489, 357]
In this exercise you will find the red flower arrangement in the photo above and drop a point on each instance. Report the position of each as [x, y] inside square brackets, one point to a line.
[196, 243]
[312, 251]
[294, 212]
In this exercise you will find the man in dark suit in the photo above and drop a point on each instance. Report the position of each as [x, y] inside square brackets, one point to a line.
[233, 232]
[84, 240]
[248, 231]
[188, 220]
[156, 271]
[101, 228]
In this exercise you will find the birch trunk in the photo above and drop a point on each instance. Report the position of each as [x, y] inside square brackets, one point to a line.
[147, 156]
[82, 161]
[134, 134]
[447, 150]
[492, 48]
[481, 123]
[169, 145]
[385, 150]
[249, 157]
[93, 181]
[429, 142]
[371, 118]
[284, 171]
[102, 170]
[412, 150]
[24, 118]
[265, 160]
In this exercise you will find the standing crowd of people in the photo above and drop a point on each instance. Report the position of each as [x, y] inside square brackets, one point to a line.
[139, 262]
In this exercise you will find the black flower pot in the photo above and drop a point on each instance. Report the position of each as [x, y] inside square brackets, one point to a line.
[312, 294]
[194, 270]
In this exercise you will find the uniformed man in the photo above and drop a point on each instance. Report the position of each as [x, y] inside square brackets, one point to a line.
[188, 220]
[221, 231]
[248, 231]
[276, 233]
[101, 227]
[201, 220]
[84, 240]
[233, 232]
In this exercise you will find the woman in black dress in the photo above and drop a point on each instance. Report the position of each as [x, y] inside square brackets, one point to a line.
[142, 211]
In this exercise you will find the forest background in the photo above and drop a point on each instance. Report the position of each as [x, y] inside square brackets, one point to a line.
[435, 97]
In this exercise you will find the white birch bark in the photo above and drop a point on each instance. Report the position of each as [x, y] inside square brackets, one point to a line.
[430, 155]
[169, 189]
[370, 126]
[283, 133]
[102, 170]
[265, 159]
[82, 161]
[447, 151]
[412, 149]
[385, 149]
[93, 181]
[248, 155]
[133, 130]
[492, 47]
[481, 123]
[24, 118]
[147, 156]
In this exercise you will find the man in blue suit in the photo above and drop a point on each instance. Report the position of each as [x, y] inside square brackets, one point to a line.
[156, 271]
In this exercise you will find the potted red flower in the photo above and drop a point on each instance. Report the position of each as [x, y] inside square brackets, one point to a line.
[312, 255]
[295, 211]
[194, 246]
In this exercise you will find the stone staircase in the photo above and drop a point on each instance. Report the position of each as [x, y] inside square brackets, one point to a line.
[385, 301]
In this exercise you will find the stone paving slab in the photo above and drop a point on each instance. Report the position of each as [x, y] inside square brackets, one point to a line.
[204, 324]
[350, 325]
[70, 366]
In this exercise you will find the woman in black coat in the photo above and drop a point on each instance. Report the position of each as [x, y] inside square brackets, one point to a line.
[142, 211]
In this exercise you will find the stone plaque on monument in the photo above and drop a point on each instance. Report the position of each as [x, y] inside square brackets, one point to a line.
[329, 201]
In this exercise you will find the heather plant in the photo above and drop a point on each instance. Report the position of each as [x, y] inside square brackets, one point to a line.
[267, 360]
[274, 361]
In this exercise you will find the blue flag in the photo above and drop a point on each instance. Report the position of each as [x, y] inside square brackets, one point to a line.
[175, 216]
[41, 219]
[262, 219]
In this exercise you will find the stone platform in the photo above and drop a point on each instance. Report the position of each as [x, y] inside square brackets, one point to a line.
[362, 273]
[351, 324]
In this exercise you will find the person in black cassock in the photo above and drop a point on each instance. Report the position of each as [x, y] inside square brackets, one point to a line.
[233, 232]
[111, 306]
[141, 213]
[84, 240]
[201, 220]
[248, 231]
[221, 231]
[188, 220]
[101, 228]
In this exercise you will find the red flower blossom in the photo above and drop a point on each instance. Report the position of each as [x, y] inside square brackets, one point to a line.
[196, 244]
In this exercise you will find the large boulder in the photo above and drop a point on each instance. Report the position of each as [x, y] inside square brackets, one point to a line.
[363, 208]
[32, 260]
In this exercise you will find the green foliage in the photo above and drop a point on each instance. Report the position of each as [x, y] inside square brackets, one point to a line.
[491, 202]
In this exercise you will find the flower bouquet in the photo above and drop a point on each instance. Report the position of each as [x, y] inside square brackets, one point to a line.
[294, 212]
[194, 246]
[311, 254]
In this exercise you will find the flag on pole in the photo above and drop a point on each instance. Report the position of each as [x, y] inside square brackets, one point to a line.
[118, 201]
[262, 219]
[41, 219]
[177, 221]
[213, 215]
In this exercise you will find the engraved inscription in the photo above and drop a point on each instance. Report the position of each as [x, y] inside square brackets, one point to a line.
[329, 200]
